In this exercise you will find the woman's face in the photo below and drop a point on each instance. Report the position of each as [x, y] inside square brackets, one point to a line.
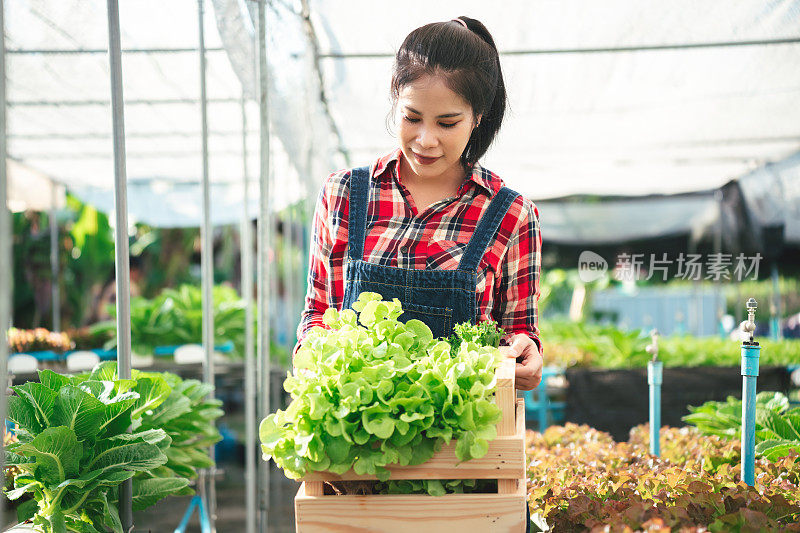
[435, 125]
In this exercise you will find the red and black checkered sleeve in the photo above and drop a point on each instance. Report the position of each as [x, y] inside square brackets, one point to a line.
[326, 257]
[516, 305]
[317, 295]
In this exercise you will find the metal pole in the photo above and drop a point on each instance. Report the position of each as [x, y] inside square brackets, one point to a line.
[719, 300]
[310, 198]
[120, 234]
[207, 261]
[264, 270]
[288, 275]
[301, 268]
[273, 319]
[249, 347]
[775, 307]
[6, 264]
[654, 378]
[750, 354]
[55, 300]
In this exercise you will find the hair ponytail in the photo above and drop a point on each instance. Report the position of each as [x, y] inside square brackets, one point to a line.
[484, 133]
[467, 58]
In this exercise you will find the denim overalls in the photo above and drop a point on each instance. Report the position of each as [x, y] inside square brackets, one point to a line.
[440, 298]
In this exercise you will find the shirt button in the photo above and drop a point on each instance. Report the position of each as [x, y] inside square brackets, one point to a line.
[404, 249]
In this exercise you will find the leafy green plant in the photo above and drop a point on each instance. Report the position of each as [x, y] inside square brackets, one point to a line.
[592, 345]
[436, 487]
[777, 426]
[186, 415]
[372, 391]
[89, 261]
[483, 334]
[176, 317]
[74, 449]
[84, 339]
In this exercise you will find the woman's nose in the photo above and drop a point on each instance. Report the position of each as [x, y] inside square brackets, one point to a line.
[426, 138]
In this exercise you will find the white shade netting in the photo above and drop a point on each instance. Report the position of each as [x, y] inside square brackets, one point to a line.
[60, 111]
[610, 122]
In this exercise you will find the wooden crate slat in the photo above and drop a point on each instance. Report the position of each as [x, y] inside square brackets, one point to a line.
[400, 513]
[505, 397]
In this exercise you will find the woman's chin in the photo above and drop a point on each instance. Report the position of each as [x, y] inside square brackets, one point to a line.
[422, 171]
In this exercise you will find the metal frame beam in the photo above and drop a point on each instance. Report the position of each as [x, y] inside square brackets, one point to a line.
[79, 51]
[264, 267]
[207, 261]
[120, 233]
[6, 250]
[246, 242]
[599, 50]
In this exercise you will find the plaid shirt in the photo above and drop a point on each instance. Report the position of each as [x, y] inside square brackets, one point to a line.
[398, 236]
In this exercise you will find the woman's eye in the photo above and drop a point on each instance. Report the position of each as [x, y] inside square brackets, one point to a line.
[442, 124]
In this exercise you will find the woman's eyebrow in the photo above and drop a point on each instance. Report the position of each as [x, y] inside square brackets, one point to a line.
[446, 115]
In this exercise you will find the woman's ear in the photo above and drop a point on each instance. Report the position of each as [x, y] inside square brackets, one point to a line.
[478, 120]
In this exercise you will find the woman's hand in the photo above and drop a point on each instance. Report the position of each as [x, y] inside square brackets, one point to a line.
[529, 361]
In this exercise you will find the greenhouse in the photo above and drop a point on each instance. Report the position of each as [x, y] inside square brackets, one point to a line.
[239, 241]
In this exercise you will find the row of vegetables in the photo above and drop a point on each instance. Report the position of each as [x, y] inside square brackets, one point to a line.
[579, 478]
[77, 438]
[580, 344]
[175, 317]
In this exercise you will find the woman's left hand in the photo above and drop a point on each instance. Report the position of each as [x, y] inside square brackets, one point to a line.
[529, 361]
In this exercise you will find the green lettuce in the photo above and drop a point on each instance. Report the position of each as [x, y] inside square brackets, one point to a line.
[371, 391]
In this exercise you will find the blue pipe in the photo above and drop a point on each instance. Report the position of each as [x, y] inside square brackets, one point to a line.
[654, 378]
[775, 328]
[205, 524]
[750, 354]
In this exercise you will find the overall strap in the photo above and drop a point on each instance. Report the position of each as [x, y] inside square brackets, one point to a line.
[487, 229]
[357, 220]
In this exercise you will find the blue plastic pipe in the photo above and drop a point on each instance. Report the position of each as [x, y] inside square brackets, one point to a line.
[205, 524]
[654, 374]
[750, 354]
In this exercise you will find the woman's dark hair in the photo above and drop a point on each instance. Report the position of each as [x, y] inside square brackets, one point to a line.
[468, 61]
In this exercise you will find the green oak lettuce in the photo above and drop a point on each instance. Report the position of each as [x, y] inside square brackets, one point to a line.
[372, 391]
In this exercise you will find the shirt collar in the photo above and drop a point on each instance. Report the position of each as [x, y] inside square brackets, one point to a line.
[483, 178]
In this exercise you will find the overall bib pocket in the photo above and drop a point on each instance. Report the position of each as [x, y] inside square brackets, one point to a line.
[439, 319]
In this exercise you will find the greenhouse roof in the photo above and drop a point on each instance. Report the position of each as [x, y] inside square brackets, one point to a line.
[618, 97]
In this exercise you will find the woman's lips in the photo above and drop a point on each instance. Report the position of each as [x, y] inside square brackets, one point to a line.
[425, 160]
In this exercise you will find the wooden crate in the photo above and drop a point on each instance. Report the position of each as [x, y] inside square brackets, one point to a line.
[316, 512]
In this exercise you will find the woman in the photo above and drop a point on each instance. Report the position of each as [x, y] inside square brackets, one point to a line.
[426, 223]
